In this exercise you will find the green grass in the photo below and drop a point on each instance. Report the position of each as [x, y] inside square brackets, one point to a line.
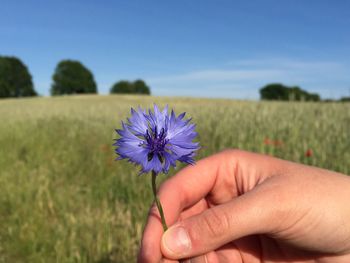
[63, 198]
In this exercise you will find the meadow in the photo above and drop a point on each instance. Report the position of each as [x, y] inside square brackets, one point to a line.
[63, 198]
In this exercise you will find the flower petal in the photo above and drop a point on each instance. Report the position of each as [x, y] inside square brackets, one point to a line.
[138, 123]
[157, 139]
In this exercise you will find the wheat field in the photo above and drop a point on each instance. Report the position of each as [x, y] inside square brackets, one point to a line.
[63, 198]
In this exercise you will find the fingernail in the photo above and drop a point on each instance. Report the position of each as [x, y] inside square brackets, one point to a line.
[177, 241]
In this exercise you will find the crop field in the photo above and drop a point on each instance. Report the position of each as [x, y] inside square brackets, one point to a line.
[63, 198]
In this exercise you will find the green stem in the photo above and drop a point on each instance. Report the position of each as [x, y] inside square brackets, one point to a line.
[156, 199]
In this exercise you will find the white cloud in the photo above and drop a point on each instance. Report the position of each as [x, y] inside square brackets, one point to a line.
[218, 75]
[286, 63]
[244, 78]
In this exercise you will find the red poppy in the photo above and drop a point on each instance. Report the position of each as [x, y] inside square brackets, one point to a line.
[277, 143]
[267, 141]
[308, 153]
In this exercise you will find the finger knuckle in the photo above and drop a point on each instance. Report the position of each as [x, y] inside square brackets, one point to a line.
[214, 222]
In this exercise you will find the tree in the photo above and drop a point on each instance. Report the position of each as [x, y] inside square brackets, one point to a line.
[274, 91]
[72, 77]
[314, 97]
[345, 99]
[15, 79]
[127, 87]
[122, 87]
[277, 91]
[141, 87]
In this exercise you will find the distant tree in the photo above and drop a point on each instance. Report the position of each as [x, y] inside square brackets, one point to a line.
[345, 99]
[15, 79]
[122, 87]
[72, 77]
[314, 97]
[274, 91]
[141, 87]
[277, 91]
[127, 87]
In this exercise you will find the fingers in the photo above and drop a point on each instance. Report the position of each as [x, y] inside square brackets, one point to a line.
[209, 257]
[199, 207]
[220, 178]
[246, 215]
[183, 190]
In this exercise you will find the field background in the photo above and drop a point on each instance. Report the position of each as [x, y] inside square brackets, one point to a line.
[63, 198]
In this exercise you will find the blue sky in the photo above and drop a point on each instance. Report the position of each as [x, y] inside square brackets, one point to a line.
[221, 48]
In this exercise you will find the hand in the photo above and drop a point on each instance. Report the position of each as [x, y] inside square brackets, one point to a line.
[237, 206]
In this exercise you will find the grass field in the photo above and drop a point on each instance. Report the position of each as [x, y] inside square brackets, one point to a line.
[63, 198]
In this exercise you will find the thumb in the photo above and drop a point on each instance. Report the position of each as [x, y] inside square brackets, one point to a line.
[248, 214]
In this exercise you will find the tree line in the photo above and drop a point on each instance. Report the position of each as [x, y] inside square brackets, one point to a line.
[72, 77]
[278, 91]
[69, 77]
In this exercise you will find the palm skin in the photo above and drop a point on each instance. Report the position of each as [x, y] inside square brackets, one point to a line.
[242, 207]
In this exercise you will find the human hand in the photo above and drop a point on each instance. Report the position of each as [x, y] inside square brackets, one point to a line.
[237, 206]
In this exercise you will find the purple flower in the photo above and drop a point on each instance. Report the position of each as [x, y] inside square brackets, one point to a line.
[156, 140]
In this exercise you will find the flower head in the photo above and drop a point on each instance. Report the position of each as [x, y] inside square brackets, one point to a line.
[156, 140]
[308, 153]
